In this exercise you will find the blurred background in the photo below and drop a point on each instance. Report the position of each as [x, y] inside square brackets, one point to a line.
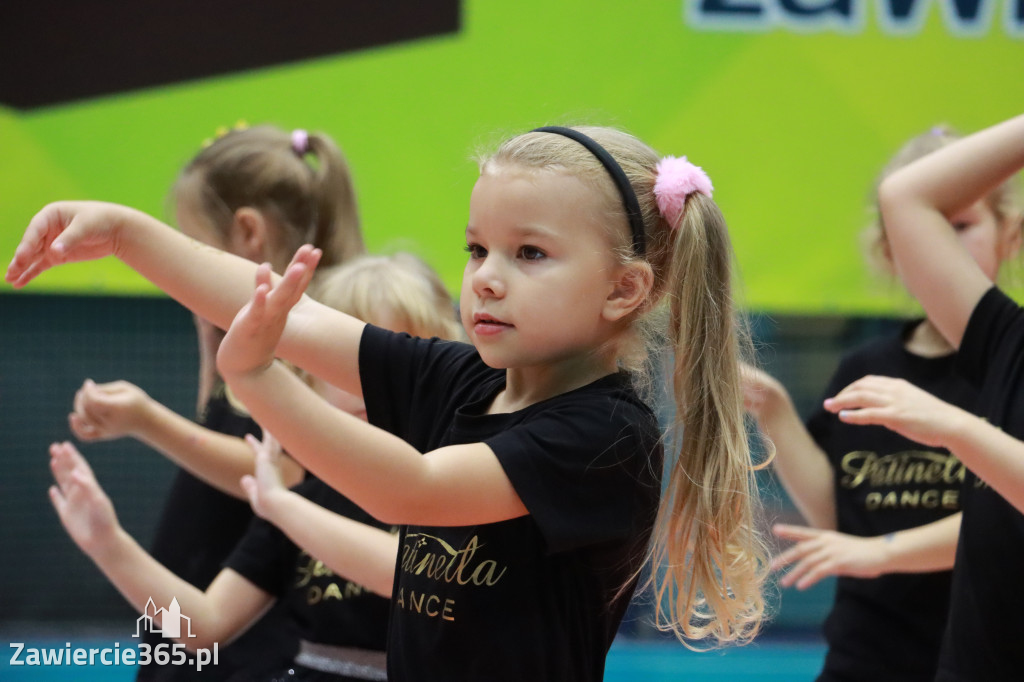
[791, 107]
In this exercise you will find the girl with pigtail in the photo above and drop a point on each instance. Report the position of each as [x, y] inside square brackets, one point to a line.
[523, 468]
[258, 193]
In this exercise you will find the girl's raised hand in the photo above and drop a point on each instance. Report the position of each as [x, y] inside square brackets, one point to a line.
[66, 232]
[105, 411]
[266, 481]
[897, 405]
[820, 553]
[252, 340]
[84, 509]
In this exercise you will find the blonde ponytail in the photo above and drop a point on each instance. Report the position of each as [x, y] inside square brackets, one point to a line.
[712, 561]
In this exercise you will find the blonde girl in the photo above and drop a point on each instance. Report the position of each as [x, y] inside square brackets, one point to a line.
[884, 510]
[325, 559]
[258, 193]
[523, 468]
[923, 206]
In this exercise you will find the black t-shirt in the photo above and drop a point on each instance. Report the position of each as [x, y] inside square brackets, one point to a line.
[889, 627]
[198, 528]
[534, 598]
[984, 638]
[324, 607]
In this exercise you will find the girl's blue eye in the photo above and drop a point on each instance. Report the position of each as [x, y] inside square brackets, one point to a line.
[531, 253]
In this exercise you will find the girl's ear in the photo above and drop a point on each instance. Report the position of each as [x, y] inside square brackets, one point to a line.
[629, 292]
[249, 236]
[1013, 237]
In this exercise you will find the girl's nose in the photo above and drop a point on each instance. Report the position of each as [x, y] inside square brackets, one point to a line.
[487, 280]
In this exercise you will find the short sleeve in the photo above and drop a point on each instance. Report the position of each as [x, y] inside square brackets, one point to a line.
[995, 325]
[588, 472]
[265, 557]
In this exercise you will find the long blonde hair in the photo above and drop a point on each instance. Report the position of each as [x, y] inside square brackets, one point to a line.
[708, 562]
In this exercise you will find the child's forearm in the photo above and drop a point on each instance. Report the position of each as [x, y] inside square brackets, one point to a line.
[216, 285]
[954, 177]
[994, 456]
[216, 458]
[374, 468]
[931, 547]
[139, 577]
[800, 464]
[361, 553]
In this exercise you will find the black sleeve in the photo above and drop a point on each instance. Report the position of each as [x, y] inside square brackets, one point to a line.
[407, 382]
[996, 327]
[572, 463]
[265, 557]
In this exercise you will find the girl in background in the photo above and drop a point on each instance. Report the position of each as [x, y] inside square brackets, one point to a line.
[258, 193]
[884, 510]
[312, 536]
[524, 468]
[922, 206]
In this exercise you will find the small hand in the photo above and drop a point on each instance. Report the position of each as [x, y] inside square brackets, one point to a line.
[897, 405]
[251, 342]
[106, 411]
[265, 482]
[84, 509]
[820, 553]
[761, 391]
[65, 232]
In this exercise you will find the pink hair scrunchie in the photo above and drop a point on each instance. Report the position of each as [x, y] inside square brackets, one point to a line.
[300, 141]
[678, 179]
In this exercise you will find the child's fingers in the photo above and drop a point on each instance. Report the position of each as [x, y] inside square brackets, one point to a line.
[57, 499]
[794, 554]
[866, 416]
[60, 464]
[27, 275]
[815, 574]
[801, 568]
[788, 531]
[248, 483]
[81, 428]
[271, 446]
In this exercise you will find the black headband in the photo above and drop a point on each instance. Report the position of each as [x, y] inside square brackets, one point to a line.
[629, 202]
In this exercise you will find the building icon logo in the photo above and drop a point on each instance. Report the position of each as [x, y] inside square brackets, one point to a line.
[170, 621]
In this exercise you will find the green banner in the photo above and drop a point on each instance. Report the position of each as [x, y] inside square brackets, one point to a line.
[791, 107]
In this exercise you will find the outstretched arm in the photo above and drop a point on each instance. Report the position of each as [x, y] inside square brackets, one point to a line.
[800, 464]
[211, 283]
[224, 611]
[994, 456]
[120, 408]
[920, 201]
[818, 553]
[361, 553]
[455, 485]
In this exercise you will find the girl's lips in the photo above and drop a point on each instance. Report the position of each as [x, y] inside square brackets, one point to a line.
[486, 325]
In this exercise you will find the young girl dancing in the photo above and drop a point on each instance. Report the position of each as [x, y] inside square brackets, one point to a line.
[923, 206]
[524, 469]
[341, 624]
[258, 193]
[884, 509]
